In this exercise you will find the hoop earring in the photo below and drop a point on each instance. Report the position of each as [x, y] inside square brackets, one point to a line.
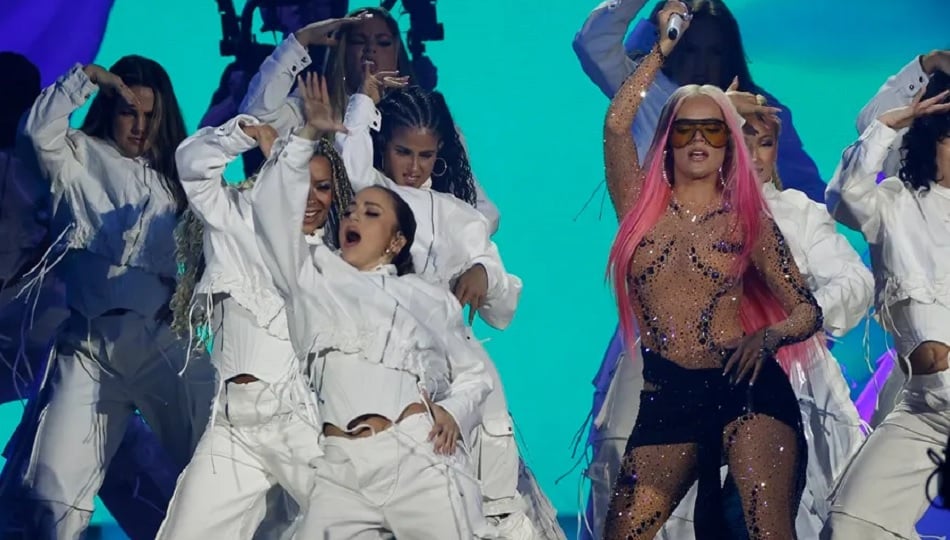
[445, 167]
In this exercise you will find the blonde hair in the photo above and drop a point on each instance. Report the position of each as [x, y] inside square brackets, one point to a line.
[189, 256]
[774, 124]
[191, 316]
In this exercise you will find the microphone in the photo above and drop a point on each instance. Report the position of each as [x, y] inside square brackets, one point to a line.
[675, 26]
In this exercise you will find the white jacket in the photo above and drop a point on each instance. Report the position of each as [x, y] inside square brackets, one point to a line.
[898, 91]
[233, 263]
[841, 283]
[122, 213]
[450, 236]
[401, 323]
[908, 231]
[269, 99]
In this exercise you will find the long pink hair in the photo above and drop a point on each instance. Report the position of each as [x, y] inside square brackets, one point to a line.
[759, 307]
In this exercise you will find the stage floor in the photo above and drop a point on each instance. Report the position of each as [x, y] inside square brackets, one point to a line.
[935, 520]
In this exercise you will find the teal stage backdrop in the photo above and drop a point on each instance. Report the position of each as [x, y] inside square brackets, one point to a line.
[533, 122]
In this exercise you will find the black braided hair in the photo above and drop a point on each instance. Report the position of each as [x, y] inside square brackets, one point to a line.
[919, 147]
[415, 107]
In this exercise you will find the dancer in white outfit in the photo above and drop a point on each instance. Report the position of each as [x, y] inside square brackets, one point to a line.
[117, 353]
[898, 91]
[906, 222]
[397, 380]
[368, 39]
[452, 249]
[266, 426]
[452, 240]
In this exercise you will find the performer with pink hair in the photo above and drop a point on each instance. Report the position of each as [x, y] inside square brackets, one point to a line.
[715, 292]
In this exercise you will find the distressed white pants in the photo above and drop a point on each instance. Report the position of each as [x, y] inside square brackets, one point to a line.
[263, 436]
[393, 485]
[103, 371]
[832, 428]
[882, 493]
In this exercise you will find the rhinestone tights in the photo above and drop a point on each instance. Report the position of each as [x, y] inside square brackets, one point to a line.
[690, 422]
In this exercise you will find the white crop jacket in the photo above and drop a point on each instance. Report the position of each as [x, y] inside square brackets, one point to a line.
[907, 231]
[401, 322]
[233, 262]
[269, 99]
[122, 213]
[898, 91]
[451, 236]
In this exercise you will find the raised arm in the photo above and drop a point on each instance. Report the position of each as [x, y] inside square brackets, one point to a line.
[201, 160]
[854, 198]
[60, 151]
[356, 144]
[621, 161]
[268, 96]
[599, 45]
[278, 208]
[899, 91]
[774, 262]
[841, 283]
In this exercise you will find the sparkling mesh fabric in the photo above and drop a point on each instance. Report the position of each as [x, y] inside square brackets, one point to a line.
[691, 421]
[685, 297]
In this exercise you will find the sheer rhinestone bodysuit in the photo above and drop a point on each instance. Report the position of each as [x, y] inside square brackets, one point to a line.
[685, 297]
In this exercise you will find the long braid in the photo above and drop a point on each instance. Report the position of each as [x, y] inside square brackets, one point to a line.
[415, 107]
[189, 255]
[342, 190]
[189, 315]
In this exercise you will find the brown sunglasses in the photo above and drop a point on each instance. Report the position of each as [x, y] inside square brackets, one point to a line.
[716, 132]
